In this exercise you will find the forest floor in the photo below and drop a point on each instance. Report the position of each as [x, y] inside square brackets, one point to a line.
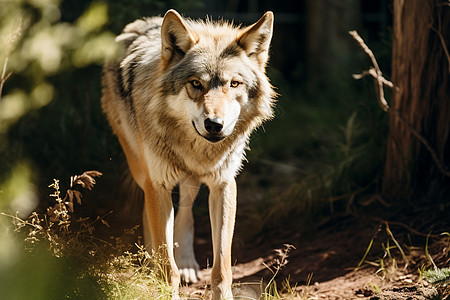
[322, 266]
[329, 262]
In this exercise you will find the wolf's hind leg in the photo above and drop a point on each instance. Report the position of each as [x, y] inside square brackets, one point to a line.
[146, 231]
[184, 232]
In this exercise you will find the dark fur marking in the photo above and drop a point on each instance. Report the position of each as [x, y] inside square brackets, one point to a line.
[216, 82]
[230, 51]
[131, 76]
[127, 94]
[254, 91]
[152, 28]
[123, 94]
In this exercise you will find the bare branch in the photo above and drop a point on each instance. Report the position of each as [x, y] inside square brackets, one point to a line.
[365, 73]
[380, 82]
[375, 72]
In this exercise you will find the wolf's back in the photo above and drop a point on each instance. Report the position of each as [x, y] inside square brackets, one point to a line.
[148, 28]
[141, 41]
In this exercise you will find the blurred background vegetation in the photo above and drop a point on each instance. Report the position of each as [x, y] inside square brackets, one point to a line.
[325, 147]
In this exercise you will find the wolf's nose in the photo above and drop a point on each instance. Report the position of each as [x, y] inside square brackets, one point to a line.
[214, 125]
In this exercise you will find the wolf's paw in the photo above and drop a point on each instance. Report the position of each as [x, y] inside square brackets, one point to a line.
[185, 256]
[188, 270]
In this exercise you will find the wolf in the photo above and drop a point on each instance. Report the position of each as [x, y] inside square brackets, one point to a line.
[183, 100]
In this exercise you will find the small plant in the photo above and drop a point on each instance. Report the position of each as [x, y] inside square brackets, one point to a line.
[439, 277]
[363, 259]
[53, 227]
[271, 290]
[388, 264]
[436, 275]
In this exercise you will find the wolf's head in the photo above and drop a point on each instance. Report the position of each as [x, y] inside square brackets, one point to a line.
[214, 74]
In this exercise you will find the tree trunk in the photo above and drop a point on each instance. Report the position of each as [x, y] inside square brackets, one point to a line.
[421, 102]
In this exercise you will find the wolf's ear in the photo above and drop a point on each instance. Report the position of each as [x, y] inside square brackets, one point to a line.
[255, 39]
[176, 38]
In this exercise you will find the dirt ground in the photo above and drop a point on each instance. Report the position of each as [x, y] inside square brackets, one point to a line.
[320, 267]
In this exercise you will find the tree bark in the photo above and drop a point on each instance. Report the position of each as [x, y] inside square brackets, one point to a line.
[421, 102]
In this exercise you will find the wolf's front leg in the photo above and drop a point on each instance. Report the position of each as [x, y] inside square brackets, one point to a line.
[160, 222]
[222, 211]
[184, 232]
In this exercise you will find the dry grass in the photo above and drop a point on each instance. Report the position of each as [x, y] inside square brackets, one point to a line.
[403, 264]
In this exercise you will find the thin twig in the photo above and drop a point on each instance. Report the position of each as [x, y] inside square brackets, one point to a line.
[410, 229]
[4, 76]
[375, 72]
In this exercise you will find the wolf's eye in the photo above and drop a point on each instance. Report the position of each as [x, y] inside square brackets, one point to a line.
[196, 84]
[234, 83]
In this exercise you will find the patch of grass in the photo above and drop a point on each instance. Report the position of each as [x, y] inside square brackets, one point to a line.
[365, 255]
[399, 262]
[439, 277]
[392, 255]
[137, 275]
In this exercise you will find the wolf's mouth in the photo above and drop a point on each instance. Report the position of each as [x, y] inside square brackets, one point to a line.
[213, 138]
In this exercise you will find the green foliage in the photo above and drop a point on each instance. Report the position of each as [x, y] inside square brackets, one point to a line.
[38, 45]
[328, 153]
[436, 275]
[50, 91]
[54, 256]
